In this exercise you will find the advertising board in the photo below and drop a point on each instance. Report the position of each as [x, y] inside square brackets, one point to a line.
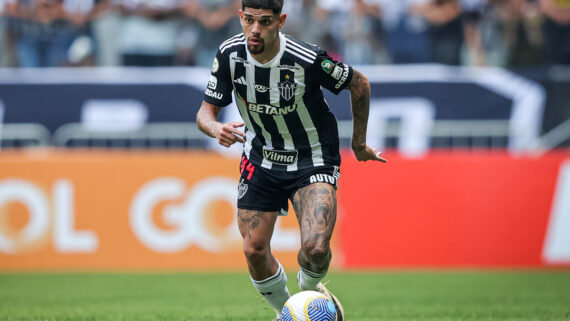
[176, 210]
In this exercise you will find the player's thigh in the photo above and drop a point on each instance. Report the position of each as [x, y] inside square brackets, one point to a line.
[315, 206]
[256, 226]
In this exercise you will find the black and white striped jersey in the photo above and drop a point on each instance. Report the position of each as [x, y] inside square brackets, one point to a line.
[289, 125]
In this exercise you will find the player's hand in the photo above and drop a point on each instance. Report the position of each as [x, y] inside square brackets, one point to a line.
[228, 134]
[367, 153]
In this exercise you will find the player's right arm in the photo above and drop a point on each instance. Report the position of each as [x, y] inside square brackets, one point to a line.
[216, 96]
[227, 134]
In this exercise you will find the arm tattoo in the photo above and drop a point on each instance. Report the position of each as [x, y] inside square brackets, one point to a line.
[360, 99]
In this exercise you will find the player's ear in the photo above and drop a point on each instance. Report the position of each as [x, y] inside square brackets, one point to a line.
[240, 13]
[282, 18]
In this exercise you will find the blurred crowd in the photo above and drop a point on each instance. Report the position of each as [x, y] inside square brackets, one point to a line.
[508, 33]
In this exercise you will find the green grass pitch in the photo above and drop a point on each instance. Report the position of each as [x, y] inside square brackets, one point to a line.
[366, 296]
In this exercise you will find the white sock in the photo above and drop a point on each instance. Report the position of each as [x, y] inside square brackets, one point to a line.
[274, 289]
[308, 280]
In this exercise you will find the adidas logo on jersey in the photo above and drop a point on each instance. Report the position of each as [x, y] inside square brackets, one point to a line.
[240, 80]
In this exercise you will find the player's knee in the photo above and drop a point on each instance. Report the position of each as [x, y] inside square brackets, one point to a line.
[316, 252]
[256, 251]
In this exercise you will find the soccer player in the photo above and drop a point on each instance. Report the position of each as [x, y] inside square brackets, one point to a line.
[291, 144]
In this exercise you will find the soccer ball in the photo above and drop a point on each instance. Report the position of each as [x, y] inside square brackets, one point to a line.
[308, 306]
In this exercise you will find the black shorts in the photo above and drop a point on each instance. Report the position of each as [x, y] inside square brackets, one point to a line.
[265, 190]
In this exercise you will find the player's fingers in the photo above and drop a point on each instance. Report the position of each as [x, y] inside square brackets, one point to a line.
[240, 138]
[379, 157]
[229, 138]
[239, 135]
[231, 128]
[234, 135]
[223, 143]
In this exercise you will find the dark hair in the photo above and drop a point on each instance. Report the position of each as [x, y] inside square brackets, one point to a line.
[275, 5]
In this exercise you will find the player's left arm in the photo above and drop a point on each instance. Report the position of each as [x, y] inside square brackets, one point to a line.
[360, 100]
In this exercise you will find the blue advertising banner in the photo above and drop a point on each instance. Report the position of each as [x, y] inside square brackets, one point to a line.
[414, 95]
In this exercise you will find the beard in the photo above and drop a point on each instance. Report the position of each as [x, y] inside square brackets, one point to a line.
[257, 49]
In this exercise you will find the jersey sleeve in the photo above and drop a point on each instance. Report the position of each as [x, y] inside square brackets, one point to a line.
[333, 75]
[219, 90]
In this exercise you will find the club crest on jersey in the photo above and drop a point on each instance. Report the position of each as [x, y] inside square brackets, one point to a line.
[287, 89]
[242, 189]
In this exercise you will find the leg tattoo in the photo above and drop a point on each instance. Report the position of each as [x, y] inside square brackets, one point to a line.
[256, 228]
[248, 221]
[315, 207]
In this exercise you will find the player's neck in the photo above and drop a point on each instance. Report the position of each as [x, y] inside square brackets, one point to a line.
[269, 54]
